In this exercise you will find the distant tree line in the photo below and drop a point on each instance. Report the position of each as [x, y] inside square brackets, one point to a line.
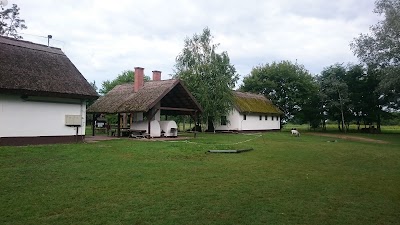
[365, 94]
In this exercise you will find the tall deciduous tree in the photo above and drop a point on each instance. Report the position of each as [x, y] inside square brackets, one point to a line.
[380, 48]
[126, 76]
[351, 93]
[208, 75]
[288, 85]
[336, 93]
[10, 22]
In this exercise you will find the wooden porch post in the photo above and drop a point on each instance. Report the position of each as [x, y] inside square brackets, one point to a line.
[124, 120]
[93, 121]
[131, 120]
[148, 121]
[195, 125]
[119, 126]
[184, 123]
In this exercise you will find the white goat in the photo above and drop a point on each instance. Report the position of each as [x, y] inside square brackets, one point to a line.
[295, 132]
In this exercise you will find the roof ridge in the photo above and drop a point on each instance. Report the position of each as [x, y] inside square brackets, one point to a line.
[26, 44]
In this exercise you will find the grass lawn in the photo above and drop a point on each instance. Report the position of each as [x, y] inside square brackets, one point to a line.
[284, 180]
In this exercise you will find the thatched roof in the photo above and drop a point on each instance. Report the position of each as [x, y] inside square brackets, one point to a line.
[122, 98]
[27, 68]
[253, 103]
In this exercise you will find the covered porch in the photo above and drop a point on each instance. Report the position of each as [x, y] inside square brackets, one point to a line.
[139, 109]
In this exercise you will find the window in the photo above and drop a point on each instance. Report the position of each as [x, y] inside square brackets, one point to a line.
[244, 116]
[266, 117]
[223, 120]
[260, 117]
[272, 117]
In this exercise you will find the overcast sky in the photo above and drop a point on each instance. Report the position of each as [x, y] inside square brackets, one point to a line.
[104, 38]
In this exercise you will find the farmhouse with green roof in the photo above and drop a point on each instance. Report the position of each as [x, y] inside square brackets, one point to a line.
[251, 112]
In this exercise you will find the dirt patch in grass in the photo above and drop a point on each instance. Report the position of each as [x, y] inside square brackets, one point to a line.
[351, 138]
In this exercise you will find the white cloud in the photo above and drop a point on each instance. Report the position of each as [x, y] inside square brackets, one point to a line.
[102, 38]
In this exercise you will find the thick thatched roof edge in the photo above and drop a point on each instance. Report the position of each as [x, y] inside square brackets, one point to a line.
[23, 92]
[31, 69]
[246, 102]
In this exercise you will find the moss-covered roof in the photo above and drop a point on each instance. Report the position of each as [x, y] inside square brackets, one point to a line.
[253, 103]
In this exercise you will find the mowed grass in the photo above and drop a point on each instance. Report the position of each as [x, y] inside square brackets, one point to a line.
[284, 180]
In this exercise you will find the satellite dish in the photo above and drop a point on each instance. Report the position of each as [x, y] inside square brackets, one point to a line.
[3, 2]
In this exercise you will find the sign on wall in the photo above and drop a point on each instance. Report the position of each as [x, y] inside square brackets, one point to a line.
[73, 120]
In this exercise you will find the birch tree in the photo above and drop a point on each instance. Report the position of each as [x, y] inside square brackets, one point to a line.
[209, 75]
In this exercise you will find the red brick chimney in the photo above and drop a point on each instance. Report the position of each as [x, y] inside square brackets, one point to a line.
[156, 75]
[139, 79]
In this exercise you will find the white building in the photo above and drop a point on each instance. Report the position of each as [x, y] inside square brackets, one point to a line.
[251, 112]
[42, 95]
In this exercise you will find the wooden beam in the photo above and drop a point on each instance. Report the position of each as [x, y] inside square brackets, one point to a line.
[93, 122]
[148, 122]
[177, 109]
[195, 124]
[152, 114]
[119, 126]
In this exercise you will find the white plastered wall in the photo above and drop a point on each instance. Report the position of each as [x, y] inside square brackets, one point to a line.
[236, 122]
[21, 118]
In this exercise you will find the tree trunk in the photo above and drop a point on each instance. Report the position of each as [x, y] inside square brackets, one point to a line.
[343, 128]
[341, 111]
[184, 123]
[378, 123]
[210, 123]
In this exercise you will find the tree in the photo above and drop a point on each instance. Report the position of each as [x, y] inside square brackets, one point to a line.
[336, 94]
[290, 86]
[351, 93]
[93, 84]
[208, 75]
[126, 76]
[312, 109]
[10, 22]
[380, 49]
